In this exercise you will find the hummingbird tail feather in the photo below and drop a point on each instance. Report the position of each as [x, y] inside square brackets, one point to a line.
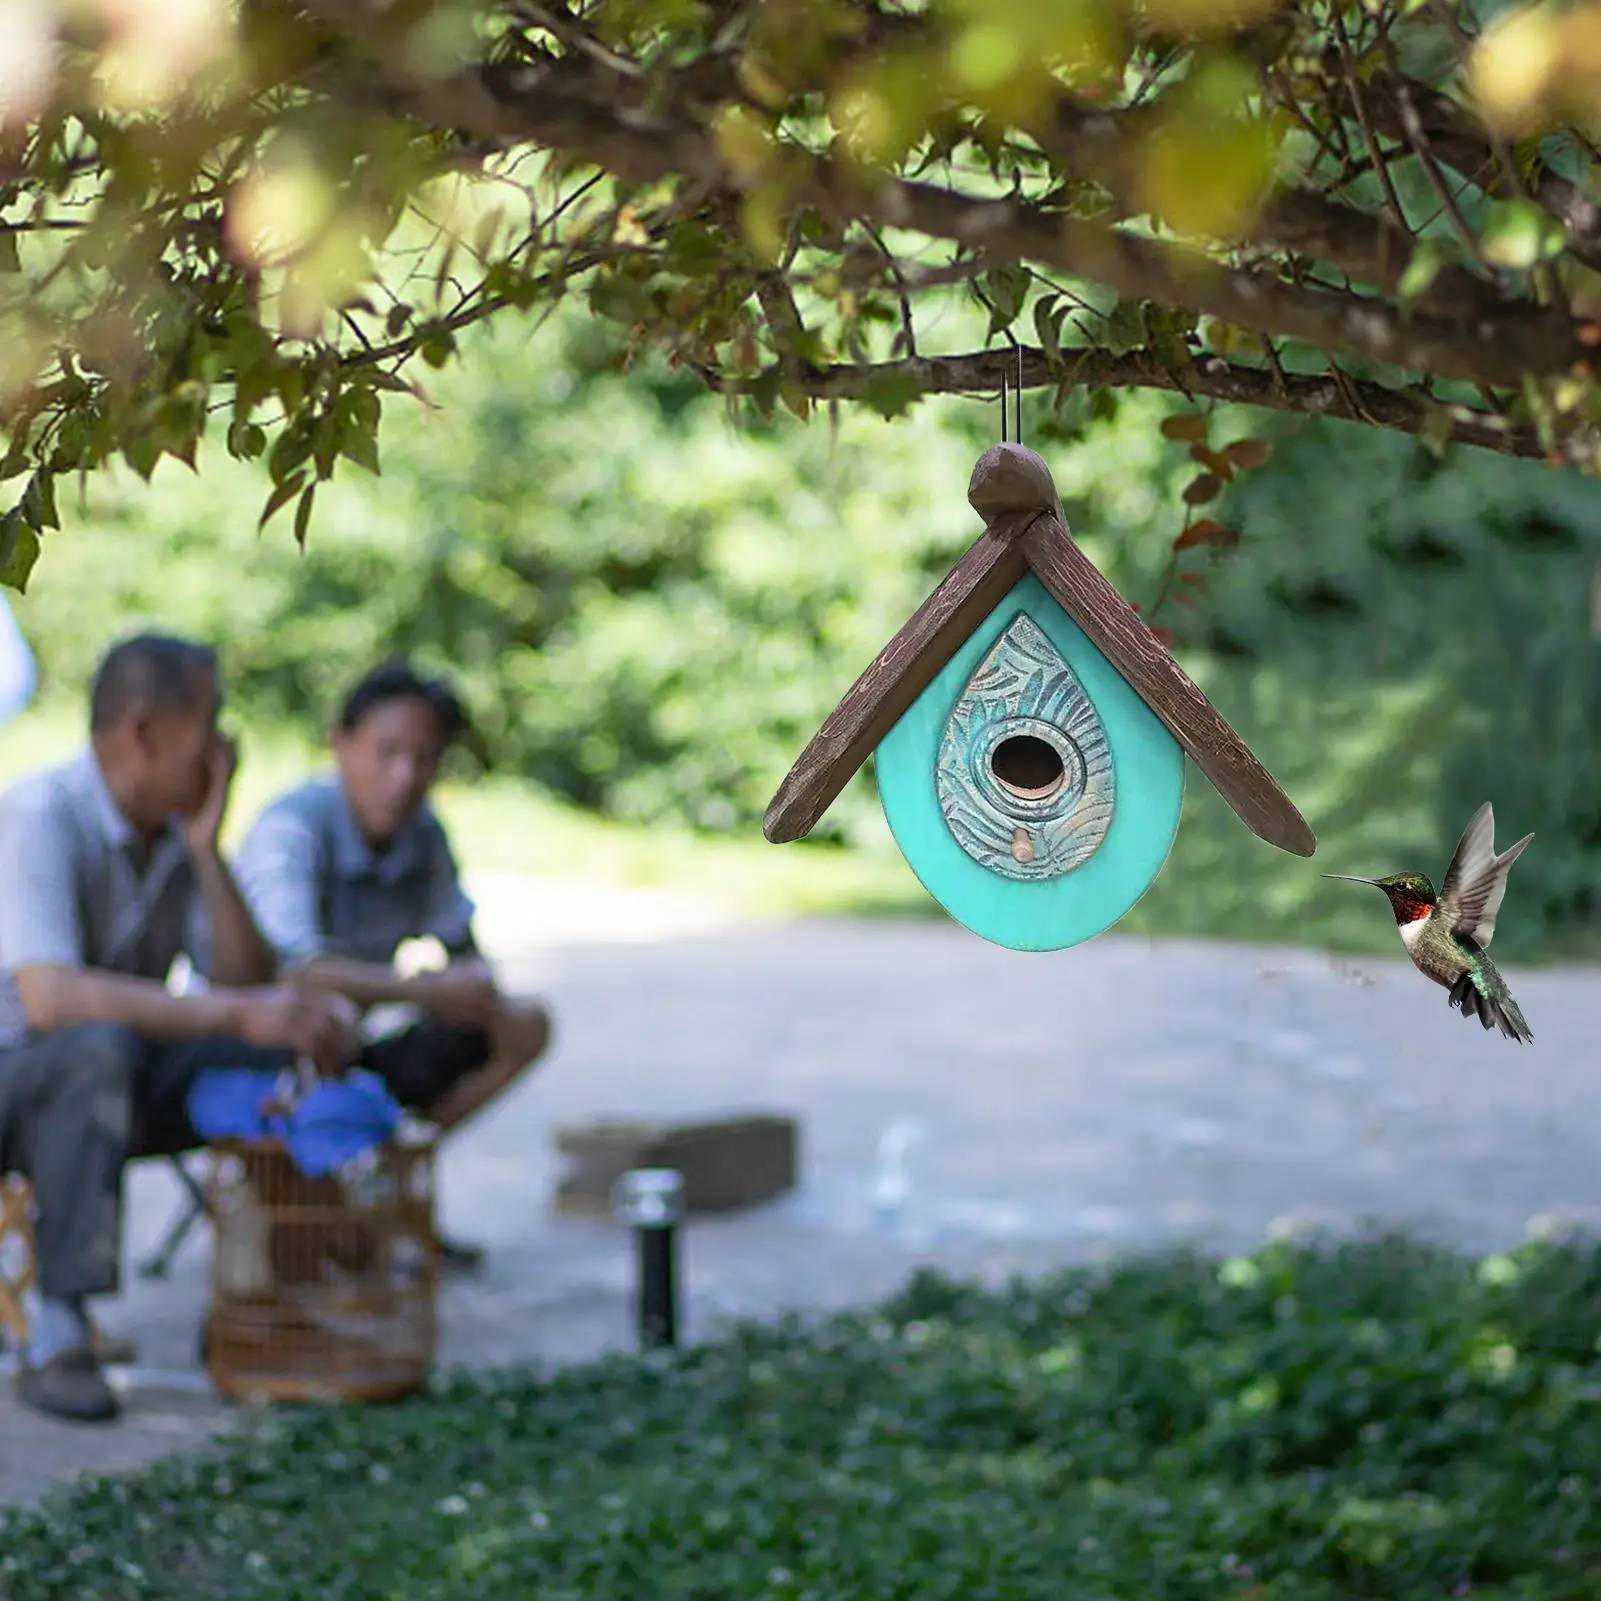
[1510, 1021]
[1503, 1014]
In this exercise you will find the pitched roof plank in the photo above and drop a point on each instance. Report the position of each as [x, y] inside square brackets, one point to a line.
[898, 675]
[1077, 586]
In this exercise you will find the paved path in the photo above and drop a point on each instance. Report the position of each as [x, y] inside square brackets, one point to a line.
[1048, 1107]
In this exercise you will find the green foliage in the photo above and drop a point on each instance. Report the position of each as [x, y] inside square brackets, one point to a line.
[652, 611]
[285, 214]
[1311, 1423]
[1405, 638]
[649, 611]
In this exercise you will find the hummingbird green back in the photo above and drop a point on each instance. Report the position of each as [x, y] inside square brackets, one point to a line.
[1447, 933]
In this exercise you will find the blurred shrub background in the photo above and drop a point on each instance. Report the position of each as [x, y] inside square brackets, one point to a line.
[650, 606]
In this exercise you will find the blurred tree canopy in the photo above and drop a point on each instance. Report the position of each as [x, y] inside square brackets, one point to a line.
[286, 211]
[650, 610]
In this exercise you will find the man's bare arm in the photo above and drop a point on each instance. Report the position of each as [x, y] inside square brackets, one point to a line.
[365, 983]
[56, 997]
[464, 992]
[318, 1027]
[239, 953]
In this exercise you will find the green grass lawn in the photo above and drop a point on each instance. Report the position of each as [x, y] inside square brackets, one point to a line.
[506, 826]
[1375, 1421]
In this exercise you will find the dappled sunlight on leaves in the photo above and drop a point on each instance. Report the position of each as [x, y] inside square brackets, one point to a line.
[803, 202]
[155, 49]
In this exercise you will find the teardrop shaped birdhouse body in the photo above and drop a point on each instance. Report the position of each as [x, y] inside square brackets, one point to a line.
[1030, 734]
[1024, 773]
[1031, 790]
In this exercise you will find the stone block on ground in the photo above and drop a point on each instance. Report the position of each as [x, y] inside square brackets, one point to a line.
[726, 1163]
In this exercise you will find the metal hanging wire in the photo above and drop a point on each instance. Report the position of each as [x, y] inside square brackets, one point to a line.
[1015, 420]
[1017, 401]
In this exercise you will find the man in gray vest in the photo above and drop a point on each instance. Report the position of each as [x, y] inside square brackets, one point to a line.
[342, 870]
[111, 871]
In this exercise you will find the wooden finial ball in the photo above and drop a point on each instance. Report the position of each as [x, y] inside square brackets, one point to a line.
[1011, 478]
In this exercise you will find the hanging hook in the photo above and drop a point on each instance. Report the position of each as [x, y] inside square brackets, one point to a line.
[1017, 402]
[1017, 395]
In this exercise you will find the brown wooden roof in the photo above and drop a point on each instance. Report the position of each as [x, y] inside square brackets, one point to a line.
[1012, 490]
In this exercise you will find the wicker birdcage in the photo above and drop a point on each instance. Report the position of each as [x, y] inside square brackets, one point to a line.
[18, 1266]
[323, 1288]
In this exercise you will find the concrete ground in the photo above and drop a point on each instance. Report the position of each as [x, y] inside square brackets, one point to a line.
[961, 1105]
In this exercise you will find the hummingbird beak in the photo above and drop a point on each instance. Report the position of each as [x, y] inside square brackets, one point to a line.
[1350, 878]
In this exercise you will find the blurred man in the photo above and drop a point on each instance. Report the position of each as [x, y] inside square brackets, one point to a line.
[111, 870]
[341, 871]
[17, 671]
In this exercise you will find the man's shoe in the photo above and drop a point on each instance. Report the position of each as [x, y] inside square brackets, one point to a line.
[457, 1257]
[69, 1386]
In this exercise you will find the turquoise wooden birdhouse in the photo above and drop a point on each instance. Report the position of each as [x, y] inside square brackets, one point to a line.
[1030, 734]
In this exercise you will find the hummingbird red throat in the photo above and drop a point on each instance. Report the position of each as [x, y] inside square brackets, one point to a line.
[1448, 934]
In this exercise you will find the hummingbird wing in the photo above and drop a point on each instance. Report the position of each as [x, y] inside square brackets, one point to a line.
[1476, 879]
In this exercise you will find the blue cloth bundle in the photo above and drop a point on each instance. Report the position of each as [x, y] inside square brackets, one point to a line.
[328, 1125]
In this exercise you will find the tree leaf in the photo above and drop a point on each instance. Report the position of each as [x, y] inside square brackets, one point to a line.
[1206, 532]
[1200, 490]
[19, 550]
[1007, 288]
[327, 439]
[1047, 323]
[1213, 460]
[45, 487]
[437, 346]
[1520, 234]
[285, 491]
[891, 393]
[303, 515]
[141, 452]
[360, 445]
[289, 450]
[1249, 453]
[1428, 257]
[1189, 426]
[1125, 328]
[1206, 173]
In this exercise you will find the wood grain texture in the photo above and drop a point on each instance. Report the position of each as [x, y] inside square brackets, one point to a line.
[1010, 478]
[1078, 587]
[897, 676]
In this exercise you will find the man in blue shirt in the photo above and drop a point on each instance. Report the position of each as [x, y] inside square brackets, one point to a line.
[342, 870]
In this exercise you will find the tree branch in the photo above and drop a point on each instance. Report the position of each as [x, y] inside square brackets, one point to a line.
[1498, 350]
[1104, 146]
[1461, 144]
[1209, 377]
[545, 107]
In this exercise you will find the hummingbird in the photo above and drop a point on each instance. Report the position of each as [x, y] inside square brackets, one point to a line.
[1448, 935]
